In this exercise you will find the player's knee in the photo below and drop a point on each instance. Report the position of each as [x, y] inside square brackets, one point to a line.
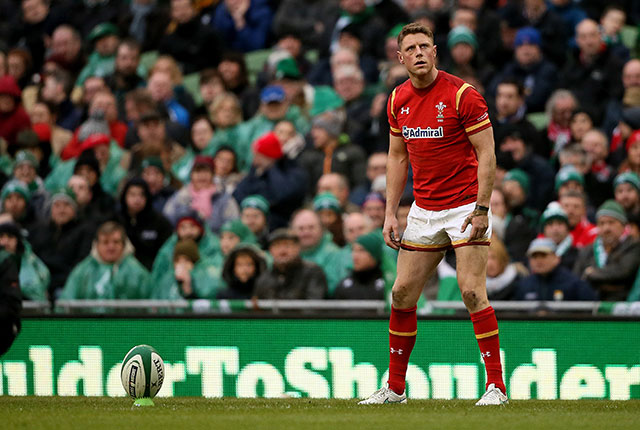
[400, 297]
[470, 299]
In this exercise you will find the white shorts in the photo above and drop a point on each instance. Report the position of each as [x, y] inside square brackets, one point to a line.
[437, 231]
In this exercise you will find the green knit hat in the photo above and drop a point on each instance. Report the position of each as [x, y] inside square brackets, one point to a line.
[65, 194]
[325, 99]
[462, 34]
[628, 178]
[14, 187]
[613, 209]
[152, 161]
[256, 201]
[520, 176]
[188, 248]
[326, 201]
[101, 30]
[287, 68]
[239, 229]
[27, 157]
[566, 174]
[553, 211]
[373, 242]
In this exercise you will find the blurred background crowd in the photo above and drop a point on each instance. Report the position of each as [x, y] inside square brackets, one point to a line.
[230, 149]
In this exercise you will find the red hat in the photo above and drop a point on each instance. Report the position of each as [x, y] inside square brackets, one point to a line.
[203, 160]
[9, 86]
[635, 136]
[269, 146]
[43, 130]
[94, 140]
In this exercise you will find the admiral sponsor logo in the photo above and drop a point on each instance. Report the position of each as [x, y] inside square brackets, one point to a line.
[422, 133]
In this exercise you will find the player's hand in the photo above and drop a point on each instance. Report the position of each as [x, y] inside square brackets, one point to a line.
[479, 224]
[391, 233]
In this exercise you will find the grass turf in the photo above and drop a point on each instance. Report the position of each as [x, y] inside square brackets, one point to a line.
[200, 413]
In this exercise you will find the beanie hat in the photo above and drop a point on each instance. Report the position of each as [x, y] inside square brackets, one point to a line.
[631, 116]
[101, 30]
[373, 243]
[520, 176]
[14, 186]
[192, 216]
[269, 146]
[26, 157]
[528, 35]
[325, 99]
[203, 160]
[329, 122]
[462, 34]
[152, 161]
[395, 31]
[628, 178]
[12, 229]
[94, 140]
[9, 86]
[566, 174]
[239, 229]
[635, 137]
[613, 209]
[188, 248]
[326, 201]
[553, 211]
[95, 124]
[256, 201]
[287, 69]
[87, 158]
[373, 197]
[66, 194]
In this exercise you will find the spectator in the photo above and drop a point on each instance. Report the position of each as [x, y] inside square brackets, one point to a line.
[498, 206]
[226, 173]
[13, 117]
[145, 22]
[125, 76]
[549, 280]
[322, 72]
[367, 280]
[327, 206]
[559, 108]
[348, 82]
[14, 201]
[612, 21]
[574, 203]
[302, 17]
[61, 240]
[373, 207]
[146, 228]
[210, 86]
[292, 142]
[186, 38]
[190, 277]
[235, 76]
[599, 177]
[541, 190]
[234, 233]
[66, 48]
[161, 89]
[631, 85]
[55, 91]
[105, 39]
[337, 184]
[502, 274]
[317, 246]
[213, 204]
[101, 207]
[201, 135]
[554, 224]
[242, 268]
[376, 166]
[522, 225]
[255, 211]
[20, 66]
[329, 155]
[153, 173]
[43, 119]
[244, 24]
[610, 265]
[291, 277]
[225, 112]
[593, 72]
[464, 58]
[627, 192]
[580, 124]
[529, 66]
[34, 275]
[155, 142]
[276, 178]
[567, 179]
[110, 271]
[190, 226]
[632, 162]
[25, 170]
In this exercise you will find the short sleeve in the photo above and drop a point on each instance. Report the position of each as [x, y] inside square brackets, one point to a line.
[472, 110]
[394, 128]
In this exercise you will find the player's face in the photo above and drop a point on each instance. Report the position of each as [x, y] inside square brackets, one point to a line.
[418, 54]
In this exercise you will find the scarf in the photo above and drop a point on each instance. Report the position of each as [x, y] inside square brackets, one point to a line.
[599, 253]
[564, 245]
[138, 27]
[502, 280]
[201, 200]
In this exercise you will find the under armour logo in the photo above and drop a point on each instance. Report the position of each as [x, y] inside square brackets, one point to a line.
[485, 354]
[404, 110]
[399, 351]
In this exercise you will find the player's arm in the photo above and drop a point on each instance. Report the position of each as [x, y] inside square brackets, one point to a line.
[397, 169]
[484, 144]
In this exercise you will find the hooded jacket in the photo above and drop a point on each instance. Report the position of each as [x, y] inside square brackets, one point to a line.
[11, 123]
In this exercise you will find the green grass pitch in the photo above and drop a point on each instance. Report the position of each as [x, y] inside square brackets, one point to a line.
[200, 413]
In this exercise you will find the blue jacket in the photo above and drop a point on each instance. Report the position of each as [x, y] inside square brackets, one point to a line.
[254, 34]
[560, 284]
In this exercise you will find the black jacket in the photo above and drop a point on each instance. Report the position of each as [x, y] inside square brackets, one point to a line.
[300, 280]
[365, 285]
[147, 230]
[10, 300]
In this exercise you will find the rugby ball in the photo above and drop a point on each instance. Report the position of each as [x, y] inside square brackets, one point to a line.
[142, 372]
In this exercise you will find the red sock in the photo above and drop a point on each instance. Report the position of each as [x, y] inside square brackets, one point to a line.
[403, 327]
[485, 326]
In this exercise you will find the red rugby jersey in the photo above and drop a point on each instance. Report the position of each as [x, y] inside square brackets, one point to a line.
[434, 123]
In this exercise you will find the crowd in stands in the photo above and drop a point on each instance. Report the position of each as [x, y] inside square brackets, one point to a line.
[231, 149]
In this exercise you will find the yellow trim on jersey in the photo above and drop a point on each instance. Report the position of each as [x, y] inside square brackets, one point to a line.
[486, 335]
[420, 245]
[459, 94]
[403, 333]
[395, 130]
[477, 126]
[393, 99]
